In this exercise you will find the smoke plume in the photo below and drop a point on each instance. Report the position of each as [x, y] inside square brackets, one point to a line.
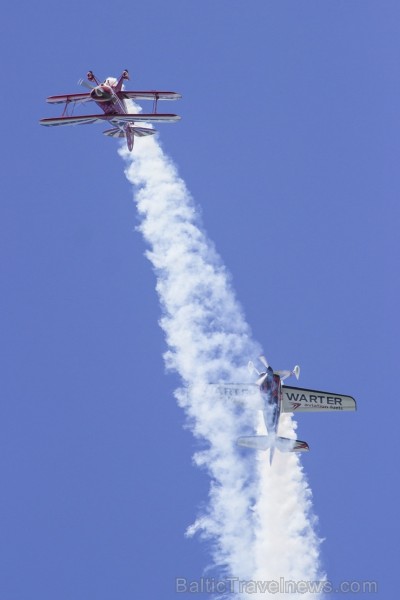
[258, 519]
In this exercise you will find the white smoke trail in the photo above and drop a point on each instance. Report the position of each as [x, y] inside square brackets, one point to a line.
[286, 544]
[258, 518]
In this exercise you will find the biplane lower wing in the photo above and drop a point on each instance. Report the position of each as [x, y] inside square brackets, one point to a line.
[80, 120]
[118, 120]
[304, 400]
[151, 117]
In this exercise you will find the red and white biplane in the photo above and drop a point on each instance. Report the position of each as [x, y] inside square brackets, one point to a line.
[110, 97]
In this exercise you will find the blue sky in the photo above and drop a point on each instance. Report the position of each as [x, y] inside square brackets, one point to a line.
[289, 143]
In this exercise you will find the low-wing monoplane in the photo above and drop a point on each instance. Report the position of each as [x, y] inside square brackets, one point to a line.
[110, 97]
[274, 398]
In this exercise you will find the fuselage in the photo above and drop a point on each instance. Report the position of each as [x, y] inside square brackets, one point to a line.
[271, 392]
[106, 98]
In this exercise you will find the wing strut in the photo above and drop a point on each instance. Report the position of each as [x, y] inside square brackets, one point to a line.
[66, 112]
[155, 102]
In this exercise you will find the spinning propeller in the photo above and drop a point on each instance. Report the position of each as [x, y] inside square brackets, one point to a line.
[86, 84]
[263, 375]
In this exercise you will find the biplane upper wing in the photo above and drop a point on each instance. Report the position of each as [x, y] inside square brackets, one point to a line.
[153, 95]
[303, 400]
[118, 120]
[68, 98]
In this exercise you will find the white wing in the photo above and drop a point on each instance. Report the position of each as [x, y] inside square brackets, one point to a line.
[246, 394]
[303, 400]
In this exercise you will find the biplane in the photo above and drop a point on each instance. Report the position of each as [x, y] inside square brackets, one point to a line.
[111, 98]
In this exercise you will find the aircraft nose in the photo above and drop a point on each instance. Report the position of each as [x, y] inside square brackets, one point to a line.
[100, 93]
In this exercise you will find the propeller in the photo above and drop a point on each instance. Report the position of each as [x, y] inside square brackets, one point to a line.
[285, 374]
[252, 368]
[86, 84]
[261, 379]
[262, 376]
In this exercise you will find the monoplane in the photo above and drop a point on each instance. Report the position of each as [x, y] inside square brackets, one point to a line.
[111, 98]
[274, 398]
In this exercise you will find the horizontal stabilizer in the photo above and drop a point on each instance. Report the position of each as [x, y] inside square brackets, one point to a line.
[290, 445]
[115, 133]
[143, 131]
[263, 442]
[256, 442]
[138, 131]
[304, 400]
